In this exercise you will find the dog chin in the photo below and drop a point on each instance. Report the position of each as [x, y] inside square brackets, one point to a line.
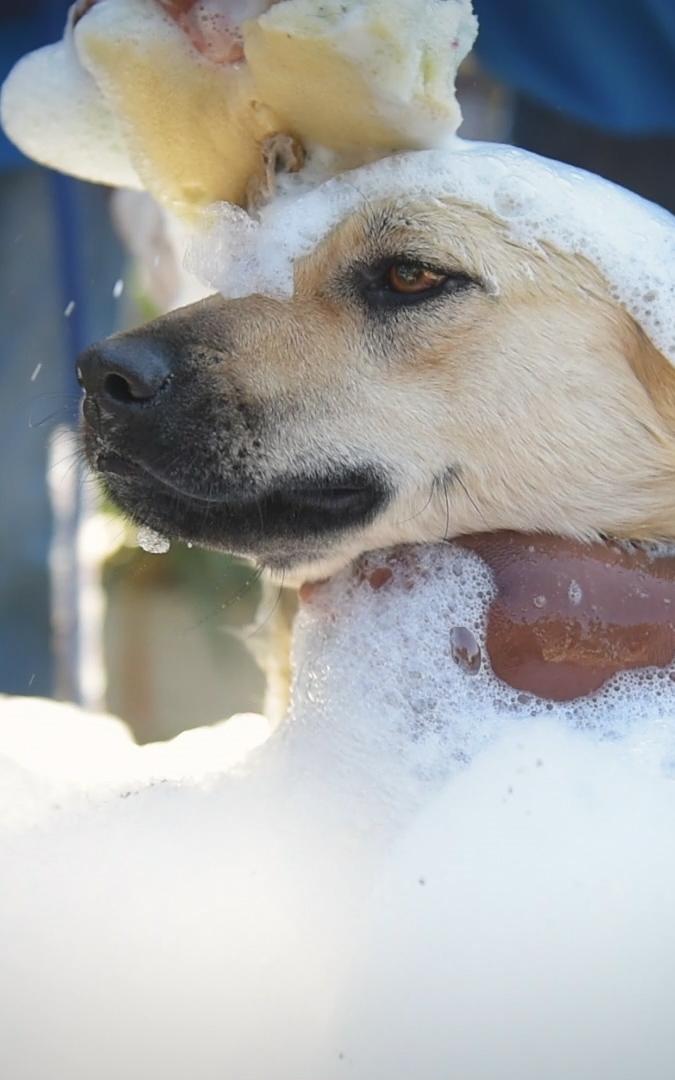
[302, 568]
[295, 528]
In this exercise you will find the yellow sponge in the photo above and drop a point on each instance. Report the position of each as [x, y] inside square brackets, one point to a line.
[191, 126]
[365, 74]
[177, 97]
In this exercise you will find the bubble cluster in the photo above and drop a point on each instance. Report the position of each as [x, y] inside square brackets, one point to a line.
[631, 241]
[370, 659]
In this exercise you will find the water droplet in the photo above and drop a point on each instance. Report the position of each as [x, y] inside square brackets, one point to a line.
[118, 288]
[152, 542]
[539, 601]
[465, 650]
[575, 593]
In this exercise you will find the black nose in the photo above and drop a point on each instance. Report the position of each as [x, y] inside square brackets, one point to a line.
[126, 370]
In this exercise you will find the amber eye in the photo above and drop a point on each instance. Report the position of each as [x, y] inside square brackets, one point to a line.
[408, 278]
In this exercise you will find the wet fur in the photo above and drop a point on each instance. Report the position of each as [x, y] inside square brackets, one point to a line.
[532, 403]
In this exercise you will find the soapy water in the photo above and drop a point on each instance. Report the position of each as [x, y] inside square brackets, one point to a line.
[422, 872]
[631, 241]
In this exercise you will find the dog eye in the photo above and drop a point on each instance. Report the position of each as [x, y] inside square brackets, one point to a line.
[411, 280]
[402, 282]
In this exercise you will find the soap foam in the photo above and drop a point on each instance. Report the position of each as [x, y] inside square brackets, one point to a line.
[631, 241]
[407, 52]
[422, 872]
[55, 113]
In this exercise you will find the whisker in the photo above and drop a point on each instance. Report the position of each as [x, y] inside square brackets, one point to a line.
[447, 509]
[471, 500]
[50, 416]
[69, 398]
[261, 625]
[413, 517]
[73, 456]
[249, 584]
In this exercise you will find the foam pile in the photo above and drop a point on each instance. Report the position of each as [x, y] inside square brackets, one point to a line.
[421, 873]
[631, 241]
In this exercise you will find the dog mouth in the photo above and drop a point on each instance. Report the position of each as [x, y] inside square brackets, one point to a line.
[292, 519]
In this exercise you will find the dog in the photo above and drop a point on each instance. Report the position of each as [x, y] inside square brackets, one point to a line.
[430, 377]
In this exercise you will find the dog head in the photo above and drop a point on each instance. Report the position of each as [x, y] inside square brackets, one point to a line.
[429, 377]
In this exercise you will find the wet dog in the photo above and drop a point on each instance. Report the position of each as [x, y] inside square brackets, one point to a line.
[429, 377]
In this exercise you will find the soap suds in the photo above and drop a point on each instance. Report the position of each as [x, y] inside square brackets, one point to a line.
[631, 241]
[55, 113]
[422, 872]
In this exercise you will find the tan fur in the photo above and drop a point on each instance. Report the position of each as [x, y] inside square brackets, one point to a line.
[555, 410]
[655, 373]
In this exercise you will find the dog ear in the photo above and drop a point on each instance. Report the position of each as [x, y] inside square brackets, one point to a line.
[657, 375]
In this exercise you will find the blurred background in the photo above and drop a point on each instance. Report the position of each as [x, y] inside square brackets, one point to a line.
[166, 641]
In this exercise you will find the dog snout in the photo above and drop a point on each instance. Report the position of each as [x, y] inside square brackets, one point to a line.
[124, 372]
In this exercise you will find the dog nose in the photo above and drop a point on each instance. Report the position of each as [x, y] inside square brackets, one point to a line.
[124, 371]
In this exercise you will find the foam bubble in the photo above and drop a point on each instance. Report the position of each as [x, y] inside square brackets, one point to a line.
[631, 241]
[407, 673]
[55, 113]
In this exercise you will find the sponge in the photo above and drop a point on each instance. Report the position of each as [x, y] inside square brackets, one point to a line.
[357, 75]
[180, 96]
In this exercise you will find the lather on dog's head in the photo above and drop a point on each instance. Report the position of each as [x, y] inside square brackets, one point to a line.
[429, 377]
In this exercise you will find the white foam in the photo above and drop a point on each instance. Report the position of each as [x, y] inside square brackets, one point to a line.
[55, 113]
[630, 240]
[407, 52]
[422, 873]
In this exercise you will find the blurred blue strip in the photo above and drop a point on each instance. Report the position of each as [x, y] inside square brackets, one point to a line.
[69, 227]
[609, 63]
[69, 230]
